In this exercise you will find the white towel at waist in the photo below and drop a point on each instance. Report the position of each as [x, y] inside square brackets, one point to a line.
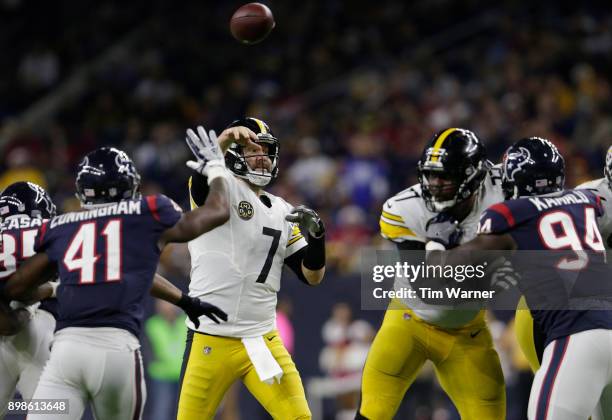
[265, 364]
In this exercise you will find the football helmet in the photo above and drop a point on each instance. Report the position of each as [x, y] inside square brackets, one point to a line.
[106, 175]
[237, 163]
[26, 198]
[457, 155]
[608, 168]
[532, 166]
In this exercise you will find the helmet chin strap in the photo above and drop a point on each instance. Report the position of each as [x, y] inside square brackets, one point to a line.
[258, 180]
[443, 205]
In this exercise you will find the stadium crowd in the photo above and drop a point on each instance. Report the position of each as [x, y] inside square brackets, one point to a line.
[353, 90]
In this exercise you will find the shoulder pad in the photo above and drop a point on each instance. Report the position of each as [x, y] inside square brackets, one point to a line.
[404, 215]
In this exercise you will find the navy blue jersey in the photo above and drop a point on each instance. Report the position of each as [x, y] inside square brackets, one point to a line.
[564, 222]
[18, 238]
[106, 258]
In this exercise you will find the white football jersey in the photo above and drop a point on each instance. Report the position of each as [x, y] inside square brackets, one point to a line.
[602, 189]
[238, 265]
[404, 218]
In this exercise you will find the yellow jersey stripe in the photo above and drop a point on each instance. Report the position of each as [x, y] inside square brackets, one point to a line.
[391, 216]
[192, 202]
[392, 222]
[392, 231]
[294, 240]
[262, 126]
[435, 156]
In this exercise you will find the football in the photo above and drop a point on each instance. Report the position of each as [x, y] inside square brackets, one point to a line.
[252, 23]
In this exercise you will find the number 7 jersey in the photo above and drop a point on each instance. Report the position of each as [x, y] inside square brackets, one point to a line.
[238, 265]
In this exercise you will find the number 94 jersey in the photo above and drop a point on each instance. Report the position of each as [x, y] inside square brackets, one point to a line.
[565, 223]
[238, 265]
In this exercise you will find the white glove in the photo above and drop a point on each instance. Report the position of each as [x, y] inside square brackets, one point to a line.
[205, 147]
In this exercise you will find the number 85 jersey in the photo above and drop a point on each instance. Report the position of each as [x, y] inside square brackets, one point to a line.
[238, 265]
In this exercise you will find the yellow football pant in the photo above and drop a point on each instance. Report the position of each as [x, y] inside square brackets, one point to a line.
[526, 335]
[212, 364]
[465, 361]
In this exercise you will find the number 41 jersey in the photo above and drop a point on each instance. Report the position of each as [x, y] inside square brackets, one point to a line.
[106, 258]
[565, 223]
[238, 265]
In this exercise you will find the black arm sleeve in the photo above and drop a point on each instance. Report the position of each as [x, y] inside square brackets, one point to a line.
[294, 262]
[312, 256]
[198, 188]
[410, 246]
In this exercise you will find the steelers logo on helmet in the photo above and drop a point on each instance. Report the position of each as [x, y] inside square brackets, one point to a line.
[452, 168]
[532, 166]
[608, 168]
[252, 166]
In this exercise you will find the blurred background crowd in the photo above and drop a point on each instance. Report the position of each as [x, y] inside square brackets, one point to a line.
[353, 90]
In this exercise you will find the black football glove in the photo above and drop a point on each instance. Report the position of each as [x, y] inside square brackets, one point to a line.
[444, 229]
[504, 276]
[309, 219]
[195, 308]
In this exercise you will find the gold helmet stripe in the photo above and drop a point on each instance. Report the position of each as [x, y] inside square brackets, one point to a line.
[262, 125]
[435, 152]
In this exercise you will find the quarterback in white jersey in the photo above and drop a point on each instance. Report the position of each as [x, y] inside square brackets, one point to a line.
[455, 180]
[239, 265]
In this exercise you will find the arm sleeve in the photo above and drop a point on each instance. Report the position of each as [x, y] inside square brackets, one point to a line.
[393, 226]
[410, 246]
[198, 190]
[164, 210]
[294, 262]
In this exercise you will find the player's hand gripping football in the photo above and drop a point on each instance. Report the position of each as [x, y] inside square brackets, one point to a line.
[309, 219]
[195, 308]
[205, 147]
[444, 229]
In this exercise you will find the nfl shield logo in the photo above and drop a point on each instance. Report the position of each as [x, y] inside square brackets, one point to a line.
[207, 350]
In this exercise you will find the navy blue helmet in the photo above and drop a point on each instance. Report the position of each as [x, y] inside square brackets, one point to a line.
[107, 175]
[26, 198]
[457, 155]
[532, 166]
[234, 158]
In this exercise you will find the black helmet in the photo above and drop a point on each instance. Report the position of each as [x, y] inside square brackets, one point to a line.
[456, 154]
[234, 158]
[107, 175]
[26, 198]
[532, 166]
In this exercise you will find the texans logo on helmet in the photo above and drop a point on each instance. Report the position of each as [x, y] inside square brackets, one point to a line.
[124, 163]
[514, 162]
